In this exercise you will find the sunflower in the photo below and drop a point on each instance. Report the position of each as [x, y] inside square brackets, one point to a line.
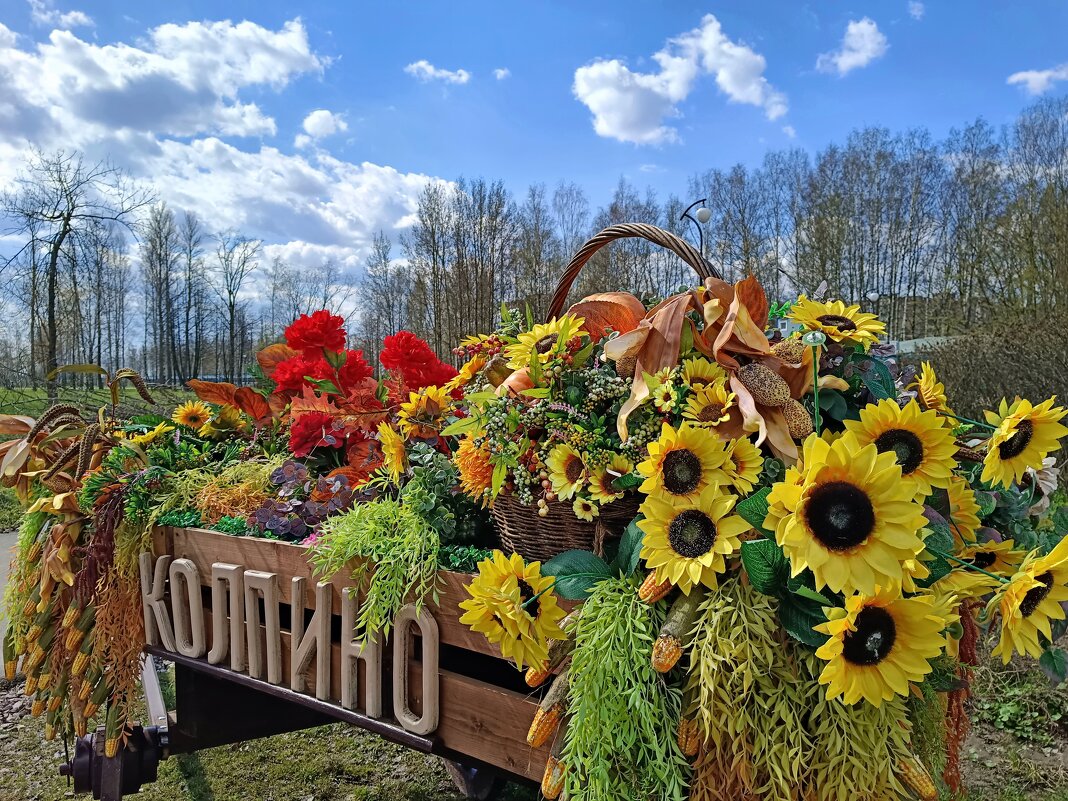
[687, 539]
[423, 415]
[468, 370]
[1030, 600]
[567, 471]
[683, 462]
[394, 460]
[710, 405]
[225, 422]
[847, 325]
[585, 509]
[1024, 436]
[743, 465]
[878, 644]
[513, 605]
[601, 489]
[663, 396]
[963, 509]
[192, 414]
[544, 339]
[931, 391]
[476, 471]
[845, 513]
[699, 371]
[150, 436]
[998, 558]
[924, 447]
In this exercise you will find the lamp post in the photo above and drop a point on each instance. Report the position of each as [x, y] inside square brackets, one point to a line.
[704, 214]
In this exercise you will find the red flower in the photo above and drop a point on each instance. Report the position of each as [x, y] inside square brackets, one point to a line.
[315, 430]
[355, 369]
[311, 334]
[289, 374]
[412, 358]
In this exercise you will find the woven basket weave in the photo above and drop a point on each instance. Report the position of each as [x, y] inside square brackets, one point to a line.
[520, 527]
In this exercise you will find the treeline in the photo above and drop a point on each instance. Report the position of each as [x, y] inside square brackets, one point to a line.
[940, 237]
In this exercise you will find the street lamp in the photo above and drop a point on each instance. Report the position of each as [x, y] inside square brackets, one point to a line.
[704, 214]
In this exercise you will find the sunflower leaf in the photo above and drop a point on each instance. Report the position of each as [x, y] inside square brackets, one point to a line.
[1054, 663]
[754, 509]
[576, 572]
[987, 501]
[812, 595]
[876, 376]
[630, 546]
[766, 566]
[798, 616]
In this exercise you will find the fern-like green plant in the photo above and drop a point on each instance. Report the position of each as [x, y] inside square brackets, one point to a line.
[391, 554]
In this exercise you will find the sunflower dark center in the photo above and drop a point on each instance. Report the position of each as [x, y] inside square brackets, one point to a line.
[906, 446]
[840, 515]
[838, 321]
[710, 412]
[692, 533]
[545, 344]
[573, 471]
[1037, 595]
[1018, 442]
[526, 592]
[698, 381]
[984, 559]
[874, 638]
[682, 471]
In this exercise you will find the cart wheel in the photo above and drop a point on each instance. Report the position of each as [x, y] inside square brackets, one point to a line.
[475, 783]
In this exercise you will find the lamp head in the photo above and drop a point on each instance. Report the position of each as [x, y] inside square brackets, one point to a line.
[704, 214]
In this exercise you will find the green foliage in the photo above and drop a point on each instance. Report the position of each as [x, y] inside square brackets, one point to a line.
[232, 525]
[431, 493]
[391, 553]
[927, 714]
[462, 558]
[621, 741]
[10, 509]
[577, 572]
[754, 510]
[800, 606]
[180, 518]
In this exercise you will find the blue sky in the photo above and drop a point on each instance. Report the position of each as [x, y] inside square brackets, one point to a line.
[311, 125]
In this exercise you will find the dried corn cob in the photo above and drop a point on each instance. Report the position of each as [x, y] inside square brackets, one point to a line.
[552, 780]
[89, 683]
[652, 590]
[559, 650]
[689, 736]
[31, 686]
[59, 692]
[112, 731]
[11, 659]
[915, 776]
[38, 707]
[100, 694]
[551, 709]
[675, 633]
[81, 659]
[51, 721]
[71, 615]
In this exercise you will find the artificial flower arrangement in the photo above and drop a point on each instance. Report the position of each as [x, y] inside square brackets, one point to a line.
[822, 539]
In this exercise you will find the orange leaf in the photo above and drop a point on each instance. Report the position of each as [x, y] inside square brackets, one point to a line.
[618, 311]
[219, 392]
[15, 424]
[270, 356]
[754, 299]
[253, 404]
[308, 401]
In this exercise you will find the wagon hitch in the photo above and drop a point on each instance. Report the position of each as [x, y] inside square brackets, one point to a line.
[110, 779]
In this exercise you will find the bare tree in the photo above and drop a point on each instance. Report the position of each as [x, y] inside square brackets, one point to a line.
[237, 258]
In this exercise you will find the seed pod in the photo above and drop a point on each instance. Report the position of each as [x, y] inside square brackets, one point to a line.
[625, 366]
[689, 736]
[552, 780]
[549, 712]
[914, 775]
[767, 387]
[791, 350]
[559, 650]
[798, 420]
[49, 415]
[652, 590]
[85, 452]
[667, 650]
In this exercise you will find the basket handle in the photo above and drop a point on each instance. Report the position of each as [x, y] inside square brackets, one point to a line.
[658, 236]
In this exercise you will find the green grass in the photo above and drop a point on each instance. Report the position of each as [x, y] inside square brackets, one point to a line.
[10, 509]
[32, 402]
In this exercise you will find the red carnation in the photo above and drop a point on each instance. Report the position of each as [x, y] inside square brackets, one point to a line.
[355, 369]
[418, 365]
[315, 430]
[289, 374]
[311, 334]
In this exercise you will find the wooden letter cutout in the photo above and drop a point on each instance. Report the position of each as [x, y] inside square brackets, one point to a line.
[257, 581]
[188, 609]
[227, 595]
[316, 641]
[369, 650]
[428, 628]
[158, 626]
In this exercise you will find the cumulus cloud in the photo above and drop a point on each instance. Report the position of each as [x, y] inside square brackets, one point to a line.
[319, 124]
[501, 73]
[632, 106]
[1037, 82]
[42, 12]
[862, 44]
[916, 10]
[424, 71]
[789, 131]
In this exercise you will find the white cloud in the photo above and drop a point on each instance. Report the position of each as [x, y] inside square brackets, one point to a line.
[322, 123]
[650, 168]
[1036, 82]
[632, 106]
[425, 72]
[916, 10]
[862, 44]
[501, 73]
[789, 131]
[42, 12]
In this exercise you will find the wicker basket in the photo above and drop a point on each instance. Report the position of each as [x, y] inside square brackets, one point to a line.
[520, 527]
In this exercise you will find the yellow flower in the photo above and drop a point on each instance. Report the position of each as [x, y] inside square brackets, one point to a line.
[845, 513]
[663, 396]
[150, 436]
[567, 471]
[394, 459]
[683, 462]
[423, 415]
[471, 368]
[1024, 436]
[878, 644]
[743, 465]
[847, 325]
[963, 510]
[585, 509]
[710, 405]
[226, 421]
[544, 339]
[193, 414]
[923, 446]
[513, 605]
[699, 371]
[601, 489]
[476, 471]
[1030, 600]
[931, 391]
[687, 539]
